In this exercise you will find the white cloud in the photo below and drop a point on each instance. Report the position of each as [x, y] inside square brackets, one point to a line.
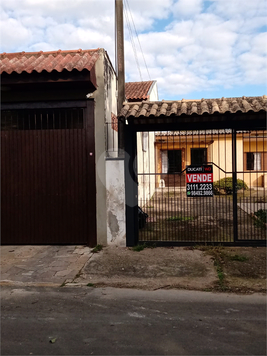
[259, 44]
[203, 47]
[187, 8]
[15, 33]
[244, 8]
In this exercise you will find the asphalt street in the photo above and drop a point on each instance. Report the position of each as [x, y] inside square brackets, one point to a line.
[107, 321]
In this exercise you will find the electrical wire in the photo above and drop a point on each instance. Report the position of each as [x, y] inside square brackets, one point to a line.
[132, 41]
[130, 12]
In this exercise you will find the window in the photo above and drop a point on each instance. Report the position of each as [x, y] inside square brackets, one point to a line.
[175, 161]
[171, 161]
[198, 156]
[145, 141]
[42, 119]
[253, 161]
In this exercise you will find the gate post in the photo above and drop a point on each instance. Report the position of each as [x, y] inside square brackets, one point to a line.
[131, 188]
[234, 178]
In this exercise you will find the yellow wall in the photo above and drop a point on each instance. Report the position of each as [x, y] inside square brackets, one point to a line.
[253, 145]
[219, 151]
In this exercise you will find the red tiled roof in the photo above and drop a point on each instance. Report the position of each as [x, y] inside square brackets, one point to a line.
[137, 90]
[48, 61]
[178, 108]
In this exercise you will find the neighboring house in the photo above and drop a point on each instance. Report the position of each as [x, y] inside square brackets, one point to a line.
[53, 141]
[143, 92]
[177, 149]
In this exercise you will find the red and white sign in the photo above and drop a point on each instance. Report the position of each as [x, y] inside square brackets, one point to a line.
[199, 178]
[199, 181]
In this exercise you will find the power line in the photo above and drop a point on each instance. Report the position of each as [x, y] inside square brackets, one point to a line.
[132, 40]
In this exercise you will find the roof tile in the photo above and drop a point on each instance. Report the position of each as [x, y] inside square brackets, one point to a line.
[137, 90]
[194, 107]
[48, 61]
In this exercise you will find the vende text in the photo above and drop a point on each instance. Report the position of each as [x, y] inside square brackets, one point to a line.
[199, 178]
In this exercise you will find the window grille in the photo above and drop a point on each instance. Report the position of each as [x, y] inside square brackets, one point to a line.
[42, 119]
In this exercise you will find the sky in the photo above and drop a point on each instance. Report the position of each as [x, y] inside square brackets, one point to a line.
[193, 48]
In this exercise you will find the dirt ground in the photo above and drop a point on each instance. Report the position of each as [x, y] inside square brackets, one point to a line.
[237, 269]
[174, 217]
[243, 268]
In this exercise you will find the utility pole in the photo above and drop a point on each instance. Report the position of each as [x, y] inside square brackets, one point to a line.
[120, 70]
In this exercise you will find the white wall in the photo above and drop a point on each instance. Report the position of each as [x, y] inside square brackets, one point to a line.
[110, 210]
[99, 98]
[116, 233]
[153, 93]
[145, 165]
[146, 157]
[115, 186]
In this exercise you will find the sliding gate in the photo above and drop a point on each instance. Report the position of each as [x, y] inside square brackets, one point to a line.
[201, 186]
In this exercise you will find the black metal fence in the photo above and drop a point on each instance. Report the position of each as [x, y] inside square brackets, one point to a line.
[235, 212]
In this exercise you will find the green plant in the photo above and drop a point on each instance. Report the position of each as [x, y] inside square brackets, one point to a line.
[138, 248]
[238, 258]
[219, 272]
[225, 186]
[63, 283]
[97, 248]
[180, 218]
[261, 218]
[217, 252]
[90, 285]
[262, 215]
[141, 247]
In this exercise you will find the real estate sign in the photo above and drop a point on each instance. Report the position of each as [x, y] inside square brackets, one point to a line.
[199, 181]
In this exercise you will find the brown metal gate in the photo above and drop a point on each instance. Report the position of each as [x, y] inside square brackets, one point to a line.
[48, 174]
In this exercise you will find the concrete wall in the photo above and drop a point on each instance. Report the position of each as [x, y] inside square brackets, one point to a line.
[110, 92]
[116, 233]
[115, 185]
[110, 171]
[100, 147]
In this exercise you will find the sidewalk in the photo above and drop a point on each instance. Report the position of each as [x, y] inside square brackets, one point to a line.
[42, 265]
[237, 269]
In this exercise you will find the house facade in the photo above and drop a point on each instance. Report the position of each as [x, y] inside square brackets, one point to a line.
[144, 92]
[175, 150]
[229, 135]
[55, 106]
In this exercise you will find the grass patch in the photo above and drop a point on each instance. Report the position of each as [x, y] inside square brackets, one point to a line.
[220, 272]
[238, 258]
[180, 218]
[217, 252]
[97, 248]
[138, 248]
[63, 284]
[90, 285]
[141, 247]
[261, 200]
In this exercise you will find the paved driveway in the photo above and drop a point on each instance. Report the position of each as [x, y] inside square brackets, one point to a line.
[48, 265]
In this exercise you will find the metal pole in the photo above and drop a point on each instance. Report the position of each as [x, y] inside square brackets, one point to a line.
[234, 184]
[131, 188]
[120, 69]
